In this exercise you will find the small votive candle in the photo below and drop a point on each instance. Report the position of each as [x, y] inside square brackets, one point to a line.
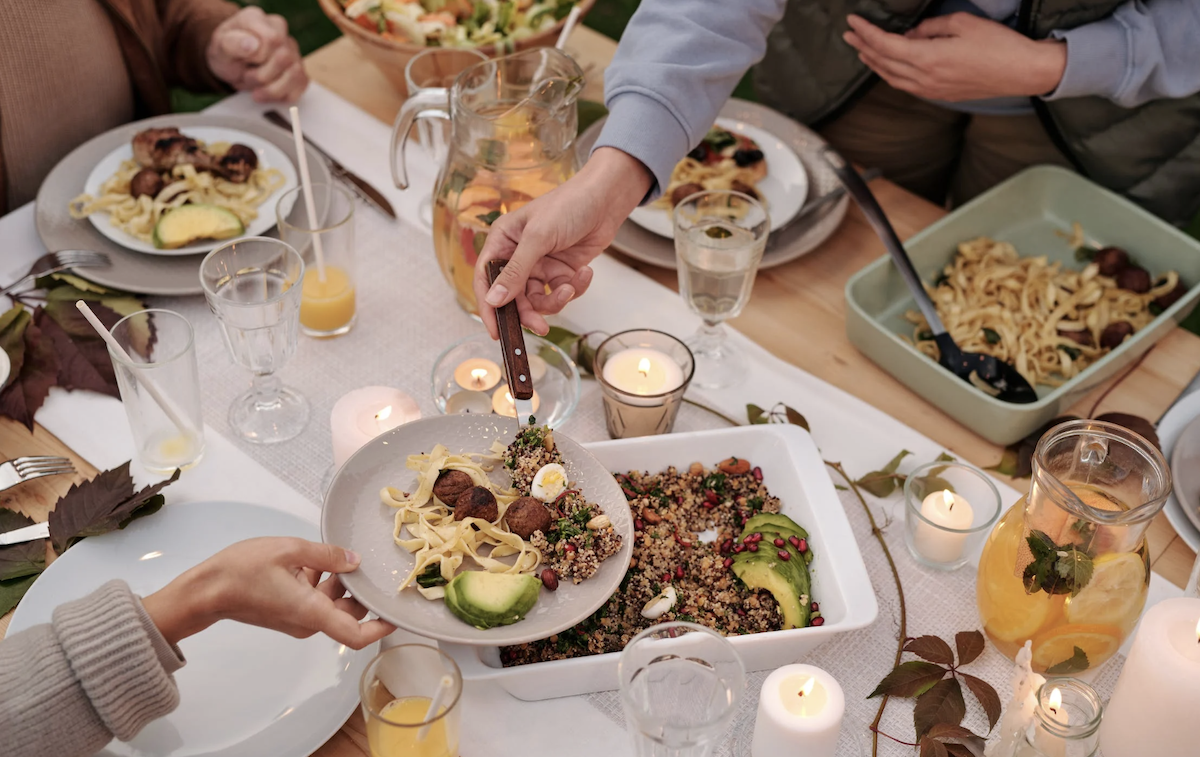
[949, 508]
[1065, 721]
[800, 711]
[941, 534]
[477, 374]
[469, 402]
[363, 414]
[504, 404]
[644, 375]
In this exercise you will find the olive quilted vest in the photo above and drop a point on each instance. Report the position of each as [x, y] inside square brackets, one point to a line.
[1150, 154]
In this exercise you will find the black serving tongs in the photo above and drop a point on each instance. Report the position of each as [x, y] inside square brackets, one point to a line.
[512, 344]
[988, 374]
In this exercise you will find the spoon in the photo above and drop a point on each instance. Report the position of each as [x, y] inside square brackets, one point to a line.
[989, 374]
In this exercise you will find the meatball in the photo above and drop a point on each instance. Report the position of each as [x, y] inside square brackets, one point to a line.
[1115, 333]
[744, 188]
[450, 484]
[747, 157]
[476, 502]
[527, 515]
[1135, 279]
[1165, 301]
[684, 191]
[1083, 336]
[1111, 261]
[146, 182]
[238, 163]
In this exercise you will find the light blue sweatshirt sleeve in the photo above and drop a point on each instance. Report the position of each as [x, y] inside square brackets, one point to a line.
[1144, 51]
[677, 64]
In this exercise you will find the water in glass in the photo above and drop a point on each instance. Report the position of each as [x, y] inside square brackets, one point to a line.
[717, 265]
[260, 337]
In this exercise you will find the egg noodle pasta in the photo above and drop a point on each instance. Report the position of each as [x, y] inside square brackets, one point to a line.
[1025, 310]
[721, 175]
[435, 537]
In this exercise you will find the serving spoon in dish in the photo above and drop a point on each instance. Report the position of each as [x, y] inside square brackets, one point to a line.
[988, 374]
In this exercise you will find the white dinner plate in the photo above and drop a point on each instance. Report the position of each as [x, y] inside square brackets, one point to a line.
[245, 691]
[783, 189]
[1185, 471]
[354, 517]
[269, 156]
[5, 367]
[1170, 429]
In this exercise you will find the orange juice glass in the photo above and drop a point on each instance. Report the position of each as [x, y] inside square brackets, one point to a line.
[397, 691]
[1067, 566]
[328, 305]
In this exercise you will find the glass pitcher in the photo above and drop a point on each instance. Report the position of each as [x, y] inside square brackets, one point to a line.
[1067, 566]
[512, 125]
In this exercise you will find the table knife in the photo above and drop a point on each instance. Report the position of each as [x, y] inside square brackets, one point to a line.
[28, 533]
[368, 193]
[512, 344]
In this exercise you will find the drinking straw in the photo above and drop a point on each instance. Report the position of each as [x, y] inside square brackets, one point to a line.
[435, 704]
[151, 388]
[306, 183]
[568, 27]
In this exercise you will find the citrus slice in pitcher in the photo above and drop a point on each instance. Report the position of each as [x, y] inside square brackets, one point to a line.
[1057, 646]
[1115, 595]
[1008, 612]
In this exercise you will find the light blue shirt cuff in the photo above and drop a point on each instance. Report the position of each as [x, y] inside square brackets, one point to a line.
[1097, 61]
[639, 125]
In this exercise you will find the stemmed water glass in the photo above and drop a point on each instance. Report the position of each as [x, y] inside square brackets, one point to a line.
[720, 236]
[253, 287]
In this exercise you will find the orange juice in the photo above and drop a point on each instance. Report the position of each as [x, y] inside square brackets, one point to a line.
[326, 306]
[396, 734]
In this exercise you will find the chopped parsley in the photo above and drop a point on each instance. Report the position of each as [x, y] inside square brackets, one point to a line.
[716, 481]
[432, 576]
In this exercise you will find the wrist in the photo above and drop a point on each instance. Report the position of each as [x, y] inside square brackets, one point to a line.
[184, 607]
[1049, 66]
[622, 179]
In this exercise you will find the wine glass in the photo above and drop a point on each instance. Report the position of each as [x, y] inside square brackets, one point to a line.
[253, 288]
[720, 236]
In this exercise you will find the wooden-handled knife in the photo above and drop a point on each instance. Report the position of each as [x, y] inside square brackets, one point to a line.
[516, 359]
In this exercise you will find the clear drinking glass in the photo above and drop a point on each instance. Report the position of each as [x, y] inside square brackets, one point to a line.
[327, 305]
[637, 402]
[160, 388]
[252, 286]
[720, 236]
[397, 689]
[681, 684]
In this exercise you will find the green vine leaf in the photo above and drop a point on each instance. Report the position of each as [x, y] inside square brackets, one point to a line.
[942, 703]
[779, 413]
[756, 414]
[883, 482]
[909, 679]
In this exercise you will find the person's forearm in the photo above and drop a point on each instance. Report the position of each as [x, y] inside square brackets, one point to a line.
[677, 63]
[184, 607]
[1144, 51]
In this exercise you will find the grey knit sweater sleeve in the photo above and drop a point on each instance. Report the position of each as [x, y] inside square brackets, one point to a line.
[100, 669]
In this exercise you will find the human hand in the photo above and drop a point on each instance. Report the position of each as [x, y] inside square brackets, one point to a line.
[272, 582]
[959, 57]
[252, 51]
[549, 242]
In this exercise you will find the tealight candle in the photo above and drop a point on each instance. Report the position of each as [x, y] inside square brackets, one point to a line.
[944, 513]
[1153, 707]
[363, 414]
[504, 404]
[477, 374]
[642, 371]
[537, 368]
[469, 402]
[800, 711]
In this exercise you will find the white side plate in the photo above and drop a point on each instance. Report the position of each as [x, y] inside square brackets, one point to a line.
[1170, 430]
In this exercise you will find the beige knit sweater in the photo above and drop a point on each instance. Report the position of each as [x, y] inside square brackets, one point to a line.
[100, 669]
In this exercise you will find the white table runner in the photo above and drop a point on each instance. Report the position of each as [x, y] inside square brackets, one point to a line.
[407, 316]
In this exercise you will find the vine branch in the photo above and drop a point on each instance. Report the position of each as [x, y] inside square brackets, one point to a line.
[708, 409]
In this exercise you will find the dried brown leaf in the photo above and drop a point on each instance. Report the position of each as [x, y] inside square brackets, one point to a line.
[909, 679]
[83, 361]
[943, 703]
[1134, 423]
[987, 696]
[970, 645]
[21, 399]
[931, 648]
[106, 503]
[933, 748]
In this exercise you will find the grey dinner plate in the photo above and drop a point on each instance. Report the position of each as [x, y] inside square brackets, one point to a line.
[135, 271]
[783, 246]
[1185, 470]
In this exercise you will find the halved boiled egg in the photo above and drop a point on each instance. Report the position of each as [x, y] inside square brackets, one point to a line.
[549, 482]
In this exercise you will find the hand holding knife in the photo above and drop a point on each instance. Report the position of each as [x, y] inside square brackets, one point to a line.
[516, 359]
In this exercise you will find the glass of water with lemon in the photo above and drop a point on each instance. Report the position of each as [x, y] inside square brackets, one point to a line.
[1067, 567]
[410, 702]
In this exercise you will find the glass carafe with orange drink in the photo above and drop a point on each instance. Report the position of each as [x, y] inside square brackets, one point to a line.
[512, 127]
[1067, 566]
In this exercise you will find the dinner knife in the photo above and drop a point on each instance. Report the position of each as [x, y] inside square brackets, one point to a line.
[28, 533]
[512, 344]
[361, 188]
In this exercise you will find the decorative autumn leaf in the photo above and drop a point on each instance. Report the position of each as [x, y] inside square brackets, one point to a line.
[909, 679]
[109, 308]
[931, 648]
[883, 482]
[12, 340]
[1135, 424]
[106, 503]
[970, 645]
[1076, 663]
[39, 370]
[12, 591]
[24, 559]
[83, 363]
[795, 418]
[933, 748]
[957, 740]
[987, 696]
[1017, 460]
[942, 703]
[756, 414]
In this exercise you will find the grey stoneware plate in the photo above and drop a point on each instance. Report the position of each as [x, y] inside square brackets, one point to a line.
[783, 246]
[130, 270]
[354, 517]
[1185, 471]
[1182, 420]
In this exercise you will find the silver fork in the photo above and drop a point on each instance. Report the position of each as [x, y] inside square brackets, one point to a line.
[18, 470]
[57, 262]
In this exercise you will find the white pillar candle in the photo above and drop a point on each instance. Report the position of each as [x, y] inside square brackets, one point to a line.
[943, 509]
[363, 414]
[642, 371]
[1154, 706]
[477, 374]
[504, 404]
[800, 710]
[469, 402]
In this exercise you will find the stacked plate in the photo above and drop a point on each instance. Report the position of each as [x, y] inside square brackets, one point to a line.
[1179, 432]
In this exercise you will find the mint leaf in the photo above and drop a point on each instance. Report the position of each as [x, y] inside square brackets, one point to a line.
[991, 336]
[1074, 569]
[1076, 663]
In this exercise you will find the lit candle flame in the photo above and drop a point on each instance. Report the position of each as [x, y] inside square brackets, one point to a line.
[383, 414]
[1055, 700]
[478, 375]
[807, 688]
[644, 366]
[948, 498]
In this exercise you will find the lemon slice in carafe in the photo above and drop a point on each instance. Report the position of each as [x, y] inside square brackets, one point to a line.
[1058, 645]
[1115, 595]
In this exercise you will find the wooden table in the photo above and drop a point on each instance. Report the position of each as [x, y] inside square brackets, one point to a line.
[797, 312]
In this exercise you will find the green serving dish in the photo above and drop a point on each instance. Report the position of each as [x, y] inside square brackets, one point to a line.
[1032, 210]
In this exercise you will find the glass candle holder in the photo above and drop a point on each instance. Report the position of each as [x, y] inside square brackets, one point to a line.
[950, 508]
[327, 301]
[1066, 722]
[644, 375]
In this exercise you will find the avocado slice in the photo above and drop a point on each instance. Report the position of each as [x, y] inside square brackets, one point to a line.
[770, 533]
[189, 223]
[795, 568]
[763, 574]
[779, 521]
[486, 600]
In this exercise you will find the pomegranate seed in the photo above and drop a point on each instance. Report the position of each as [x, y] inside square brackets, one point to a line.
[570, 547]
[728, 562]
[638, 525]
[795, 541]
[666, 578]
[784, 555]
[757, 473]
[802, 546]
[752, 546]
[818, 621]
[679, 571]
[740, 548]
[779, 542]
[708, 505]
[742, 612]
[727, 546]
[814, 607]
[749, 539]
[757, 537]
[742, 515]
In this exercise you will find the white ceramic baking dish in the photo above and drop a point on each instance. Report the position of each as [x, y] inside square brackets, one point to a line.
[794, 472]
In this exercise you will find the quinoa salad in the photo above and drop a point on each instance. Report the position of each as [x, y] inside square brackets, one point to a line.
[676, 576]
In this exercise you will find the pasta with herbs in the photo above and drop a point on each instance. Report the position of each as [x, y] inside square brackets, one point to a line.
[1048, 321]
[722, 160]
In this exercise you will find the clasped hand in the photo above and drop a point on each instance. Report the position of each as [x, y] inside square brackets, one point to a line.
[252, 51]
